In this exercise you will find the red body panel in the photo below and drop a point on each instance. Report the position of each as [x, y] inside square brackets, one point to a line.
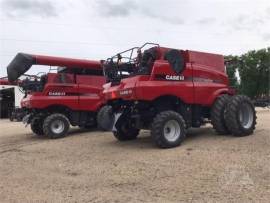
[90, 92]
[202, 80]
[4, 81]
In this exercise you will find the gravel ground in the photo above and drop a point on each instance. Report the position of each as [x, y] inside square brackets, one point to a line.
[94, 167]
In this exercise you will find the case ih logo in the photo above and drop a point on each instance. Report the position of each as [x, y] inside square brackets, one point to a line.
[174, 77]
[57, 93]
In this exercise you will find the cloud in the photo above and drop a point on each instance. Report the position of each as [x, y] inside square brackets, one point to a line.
[121, 9]
[166, 18]
[268, 12]
[19, 8]
[245, 22]
[206, 21]
[266, 36]
[127, 8]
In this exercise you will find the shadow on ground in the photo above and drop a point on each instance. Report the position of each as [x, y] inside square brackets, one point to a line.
[145, 141]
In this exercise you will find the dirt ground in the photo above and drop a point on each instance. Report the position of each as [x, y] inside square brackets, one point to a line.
[94, 167]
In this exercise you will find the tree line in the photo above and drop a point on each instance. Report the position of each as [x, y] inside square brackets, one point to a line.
[249, 73]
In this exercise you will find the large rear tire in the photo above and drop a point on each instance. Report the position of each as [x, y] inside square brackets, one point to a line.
[56, 126]
[240, 116]
[37, 126]
[168, 129]
[217, 114]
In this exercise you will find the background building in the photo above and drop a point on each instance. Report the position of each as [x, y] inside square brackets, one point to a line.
[10, 97]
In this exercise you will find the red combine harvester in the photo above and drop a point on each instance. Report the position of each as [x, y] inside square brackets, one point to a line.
[168, 90]
[53, 101]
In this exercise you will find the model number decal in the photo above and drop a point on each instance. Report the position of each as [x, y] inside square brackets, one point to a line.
[57, 93]
[175, 77]
[125, 92]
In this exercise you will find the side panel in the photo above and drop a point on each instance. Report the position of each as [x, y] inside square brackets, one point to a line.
[90, 92]
[210, 61]
[60, 89]
[208, 84]
[65, 94]
[163, 82]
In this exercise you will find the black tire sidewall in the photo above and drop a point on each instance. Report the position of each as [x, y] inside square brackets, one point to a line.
[217, 114]
[105, 118]
[37, 126]
[232, 117]
[48, 122]
[158, 133]
[251, 128]
[180, 138]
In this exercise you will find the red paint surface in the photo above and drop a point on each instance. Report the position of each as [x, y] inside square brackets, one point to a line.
[205, 79]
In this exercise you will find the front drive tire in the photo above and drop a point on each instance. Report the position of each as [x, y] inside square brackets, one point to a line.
[56, 126]
[217, 114]
[37, 126]
[105, 118]
[240, 116]
[168, 129]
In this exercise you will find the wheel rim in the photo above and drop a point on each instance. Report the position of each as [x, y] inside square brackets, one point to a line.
[172, 130]
[246, 116]
[57, 126]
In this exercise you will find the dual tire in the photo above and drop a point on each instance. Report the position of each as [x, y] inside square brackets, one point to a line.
[217, 114]
[233, 115]
[240, 116]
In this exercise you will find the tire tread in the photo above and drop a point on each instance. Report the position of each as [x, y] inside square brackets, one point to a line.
[217, 114]
[231, 116]
[46, 125]
[157, 128]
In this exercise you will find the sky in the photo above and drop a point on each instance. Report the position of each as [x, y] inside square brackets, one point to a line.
[97, 29]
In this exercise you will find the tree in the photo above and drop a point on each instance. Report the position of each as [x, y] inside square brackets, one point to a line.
[253, 68]
[254, 73]
[231, 68]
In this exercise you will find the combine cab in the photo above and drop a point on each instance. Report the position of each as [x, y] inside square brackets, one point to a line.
[54, 101]
[168, 91]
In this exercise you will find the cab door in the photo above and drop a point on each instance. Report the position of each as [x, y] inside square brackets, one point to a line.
[62, 90]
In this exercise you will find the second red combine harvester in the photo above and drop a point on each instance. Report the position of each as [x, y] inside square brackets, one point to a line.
[169, 90]
[53, 101]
